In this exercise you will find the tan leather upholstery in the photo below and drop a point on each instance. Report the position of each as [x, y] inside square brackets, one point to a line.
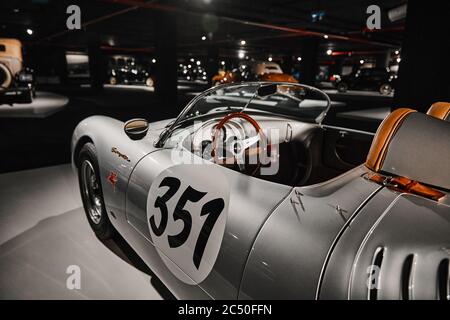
[440, 110]
[383, 137]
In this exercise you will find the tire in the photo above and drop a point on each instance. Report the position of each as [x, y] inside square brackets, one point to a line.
[28, 97]
[149, 82]
[385, 89]
[5, 76]
[342, 87]
[92, 193]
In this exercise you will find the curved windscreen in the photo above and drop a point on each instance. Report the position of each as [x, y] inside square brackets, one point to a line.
[293, 100]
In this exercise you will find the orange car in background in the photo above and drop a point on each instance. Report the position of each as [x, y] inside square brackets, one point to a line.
[259, 71]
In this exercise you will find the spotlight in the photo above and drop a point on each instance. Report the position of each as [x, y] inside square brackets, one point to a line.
[299, 58]
[361, 61]
[270, 59]
[153, 60]
[222, 63]
[325, 36]
[243, 42]
[241, 54]
[198, 62]
[397, 51]
[329, 52]
[29, 31]
[399, 59]
[203, 38]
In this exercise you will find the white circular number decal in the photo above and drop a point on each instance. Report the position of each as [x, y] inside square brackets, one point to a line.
[187, 208]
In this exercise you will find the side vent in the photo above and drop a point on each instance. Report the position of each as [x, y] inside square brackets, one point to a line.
[443, 279]
[377, 261]
[407, 277]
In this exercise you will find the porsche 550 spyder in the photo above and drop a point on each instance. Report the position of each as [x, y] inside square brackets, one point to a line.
[248, 194]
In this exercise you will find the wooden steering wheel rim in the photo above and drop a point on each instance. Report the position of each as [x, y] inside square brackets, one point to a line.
[227, 118]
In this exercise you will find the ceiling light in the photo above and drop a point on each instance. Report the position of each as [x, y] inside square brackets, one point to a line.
[329, 52]
[397, 52]
[153, 60]
[198, 62]
[203, 38]
[222, 63]
[325, 36]
[243, 42]
[29, 31]
[270, 59]
[398, 60]
[241, 54]
[299, 58]
[361, 61]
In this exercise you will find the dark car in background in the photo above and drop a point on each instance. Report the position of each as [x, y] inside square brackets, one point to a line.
[372, 79]
[126, 70]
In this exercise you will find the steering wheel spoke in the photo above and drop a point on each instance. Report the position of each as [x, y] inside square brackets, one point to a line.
[242, 150]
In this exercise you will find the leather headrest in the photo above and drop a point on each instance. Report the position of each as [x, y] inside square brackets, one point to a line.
[440, 110]
[412, 145]
[383, 137]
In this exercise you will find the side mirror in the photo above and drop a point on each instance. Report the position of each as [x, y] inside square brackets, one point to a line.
[136, 129]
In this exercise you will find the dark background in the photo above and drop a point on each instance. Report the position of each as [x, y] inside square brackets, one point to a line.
[171, 32]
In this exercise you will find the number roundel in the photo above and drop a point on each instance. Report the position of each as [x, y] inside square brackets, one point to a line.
[187, 208]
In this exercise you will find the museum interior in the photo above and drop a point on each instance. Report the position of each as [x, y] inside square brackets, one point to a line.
[63, 61]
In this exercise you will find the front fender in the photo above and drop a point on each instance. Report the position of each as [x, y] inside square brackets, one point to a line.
[117, 154]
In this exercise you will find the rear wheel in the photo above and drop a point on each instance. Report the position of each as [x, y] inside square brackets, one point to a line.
[385, 89]
[92, 194]
[28, 96]
[342, 87]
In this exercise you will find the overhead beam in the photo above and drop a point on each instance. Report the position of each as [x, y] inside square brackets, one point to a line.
[299, 31]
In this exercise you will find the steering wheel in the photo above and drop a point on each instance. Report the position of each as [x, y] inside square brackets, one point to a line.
[242, 150]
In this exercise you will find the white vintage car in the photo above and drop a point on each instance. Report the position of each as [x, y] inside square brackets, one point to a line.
[248, 195]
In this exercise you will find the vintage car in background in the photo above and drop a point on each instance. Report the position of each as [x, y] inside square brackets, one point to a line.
[254, 71]
[373, 79]
[191, 70]
[304, 220]
[127, 70]
[16, 81]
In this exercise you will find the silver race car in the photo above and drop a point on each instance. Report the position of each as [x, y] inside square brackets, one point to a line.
[248, 195]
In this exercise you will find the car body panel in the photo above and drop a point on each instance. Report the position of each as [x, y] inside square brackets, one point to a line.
[244, 218]
[288, 255]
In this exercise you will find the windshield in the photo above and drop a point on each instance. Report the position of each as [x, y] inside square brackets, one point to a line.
[302, 102]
